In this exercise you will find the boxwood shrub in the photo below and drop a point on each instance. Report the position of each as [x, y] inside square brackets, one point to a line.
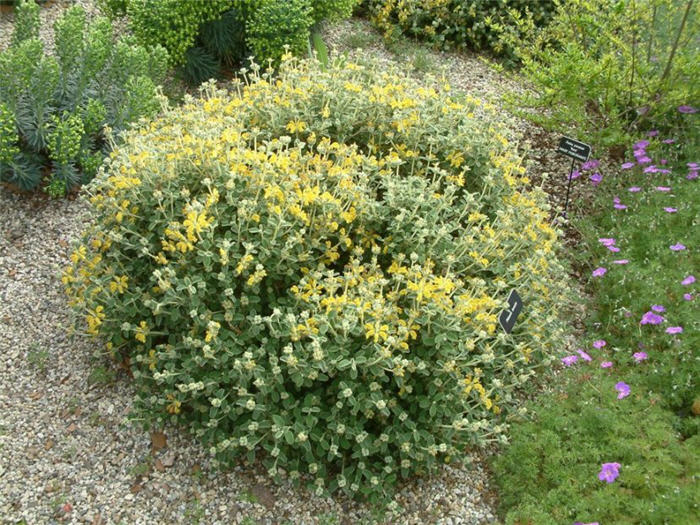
[309, 269]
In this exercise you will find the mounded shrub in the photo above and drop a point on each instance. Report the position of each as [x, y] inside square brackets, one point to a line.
[309, 271]
[53, 108]
[454, 23]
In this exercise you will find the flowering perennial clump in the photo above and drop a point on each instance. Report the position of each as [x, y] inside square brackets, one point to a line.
[310, 270]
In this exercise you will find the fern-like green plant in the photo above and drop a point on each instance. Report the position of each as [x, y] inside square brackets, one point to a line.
[55, 107]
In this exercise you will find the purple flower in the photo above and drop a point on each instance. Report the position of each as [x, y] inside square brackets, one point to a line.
[677, 247]
[651, 318]
[688, 280]
[600, 343]
[669, 209]
[596, 178]
[687, 109]
[662, 188]
[641, 144]
[643, 160]
[621, 261]
[658, 308]
[665, 172]
[674, 330]
[592, 523]
[669, 141]
[651, 169]
[590, 165]
[615, 249]
[653, 133]
[688, 296]
[693, 165]
[599, 272]
[609, 472]
[584, 355]
[634, 189]
[623, 389]
[618, 206]
[627, 165]
[569, 360]
[663, 162]
[640, 356]
[692, 175]
[606, 364]
[575, 175]
[607, 241]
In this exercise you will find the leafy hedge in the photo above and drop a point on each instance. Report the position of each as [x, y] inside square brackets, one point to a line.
[454, 23]
[310, 270]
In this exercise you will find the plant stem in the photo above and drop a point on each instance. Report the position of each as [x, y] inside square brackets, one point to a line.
[667, 70]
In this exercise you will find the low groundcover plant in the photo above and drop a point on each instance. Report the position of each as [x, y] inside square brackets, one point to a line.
[309, 269]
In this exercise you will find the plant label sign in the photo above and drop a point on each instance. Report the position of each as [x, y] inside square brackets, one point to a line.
[510, 314]
[573, 148]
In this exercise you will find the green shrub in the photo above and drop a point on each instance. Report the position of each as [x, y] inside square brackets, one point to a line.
[174, 24]
[609, 68]
[204, 36]
[276, 25]
[310, 270]
[332, 9]
[454, 23]
[54, 108]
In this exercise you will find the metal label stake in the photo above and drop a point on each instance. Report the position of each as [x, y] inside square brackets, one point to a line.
[577, 151]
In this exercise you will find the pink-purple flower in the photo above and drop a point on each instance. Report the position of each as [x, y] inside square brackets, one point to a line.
[600, 343]
[569, 360]
[596, 179]
[627, 165]
[621, 261]
[640, 356]
[634, 189]
[687, 109]
[590, 165]
[674, 330]
[658, 308]
[623, 389]
[609, 472]
[688, 280]
[669, 209]
[606, 364]
[663, 188]
[678, 247]
[584, 355]
[599, 272]
[651, 318]
[688, 296]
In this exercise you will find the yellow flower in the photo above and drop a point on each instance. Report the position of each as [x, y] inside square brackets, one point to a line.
[141, 332]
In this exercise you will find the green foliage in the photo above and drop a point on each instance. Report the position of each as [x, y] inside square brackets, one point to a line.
[609, 67]
[310, 269]
[549, 472]
[332, 9]
[277, 25]
[454, 23]
[203, 36]
[174, 24]
[26, 24]
[55, 107]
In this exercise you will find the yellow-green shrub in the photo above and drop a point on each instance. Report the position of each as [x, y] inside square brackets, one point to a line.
[310, 269]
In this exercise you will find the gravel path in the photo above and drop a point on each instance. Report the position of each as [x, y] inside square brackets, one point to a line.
[68, 452]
